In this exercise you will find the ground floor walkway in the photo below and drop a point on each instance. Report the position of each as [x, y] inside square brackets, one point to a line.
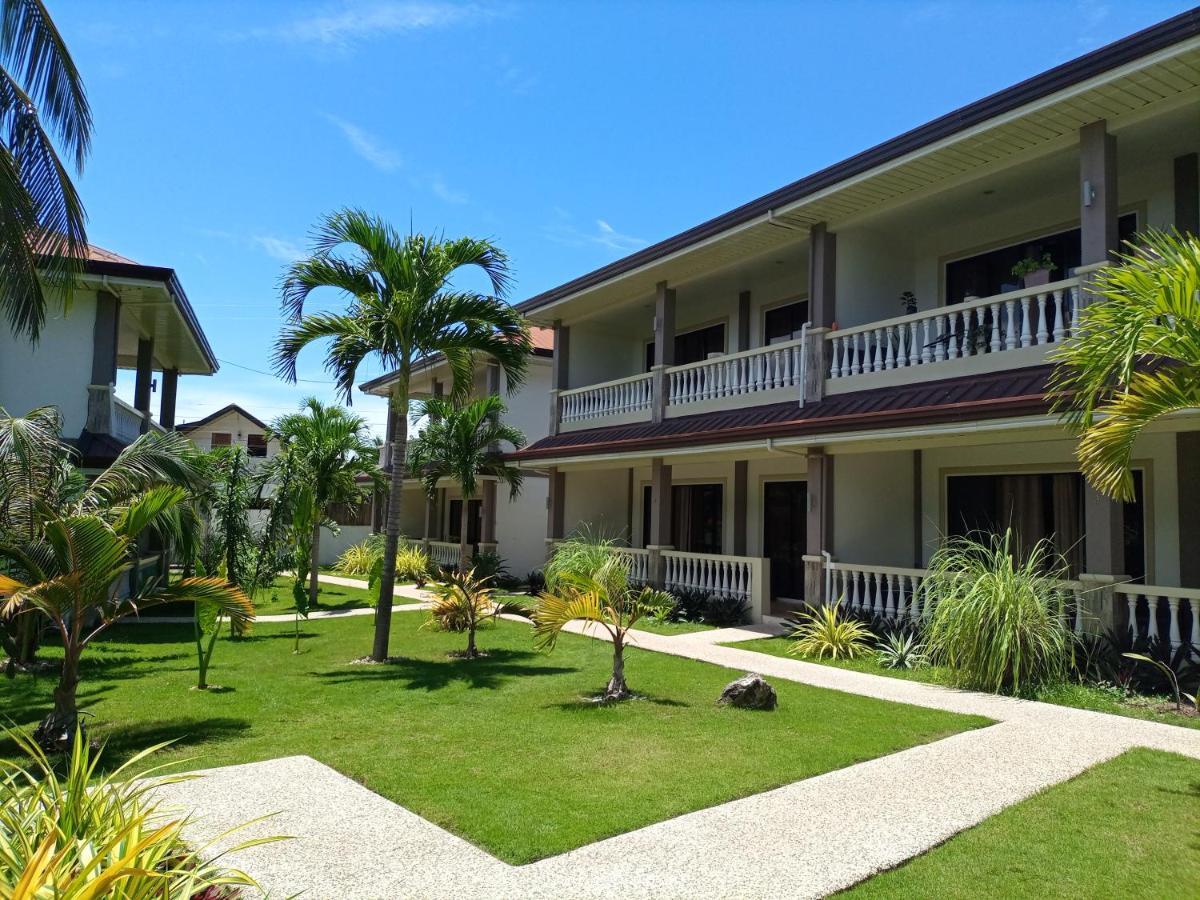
[806, 839]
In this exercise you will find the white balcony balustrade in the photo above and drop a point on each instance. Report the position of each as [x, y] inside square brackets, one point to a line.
[1004, 324]
[444, 553]
[763, 369]
[735, 576]
[1162, 613]
[624, 397]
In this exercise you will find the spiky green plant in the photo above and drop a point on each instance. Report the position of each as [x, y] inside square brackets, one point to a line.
[999, 620]
[1134, 357]
[357, 559]
[463, 602]
[901, 650]
[86, 834]
[826, 632]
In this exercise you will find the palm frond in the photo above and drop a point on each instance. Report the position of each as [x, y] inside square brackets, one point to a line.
[555, 610]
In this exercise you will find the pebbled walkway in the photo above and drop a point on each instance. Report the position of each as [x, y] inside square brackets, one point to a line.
[807, 839]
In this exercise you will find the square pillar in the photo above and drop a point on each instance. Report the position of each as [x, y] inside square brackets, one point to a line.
[166, 408]
[104, 338]
[555, 507]
[664, 346]
[819, 524]
[559, 372]
[660, 519]
[822, 276]
[1098, 193]
[141, 386]
[1187, 193]
[487, 512]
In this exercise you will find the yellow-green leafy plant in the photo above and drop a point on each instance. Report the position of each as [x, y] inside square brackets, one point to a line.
[77, 833]
[357, 559]
[826, 632]
[412, 565]
[462, 602]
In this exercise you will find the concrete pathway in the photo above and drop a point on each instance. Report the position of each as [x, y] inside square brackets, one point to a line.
[807, 839]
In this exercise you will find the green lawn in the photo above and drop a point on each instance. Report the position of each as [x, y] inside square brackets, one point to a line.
[671, 627]
[503, 750]
[1079, 696]
[277, 600]
[1128, 828]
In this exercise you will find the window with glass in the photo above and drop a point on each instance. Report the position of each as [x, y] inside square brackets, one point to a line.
[693, 346]
[783, 323]
[256, 444]
[696, 524]
[220, 439]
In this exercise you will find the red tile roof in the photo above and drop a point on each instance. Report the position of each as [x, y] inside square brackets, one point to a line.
[99, 254]
[954, 399]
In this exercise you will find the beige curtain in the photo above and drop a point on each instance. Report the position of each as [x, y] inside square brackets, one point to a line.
[682, 516]
[1068, 513]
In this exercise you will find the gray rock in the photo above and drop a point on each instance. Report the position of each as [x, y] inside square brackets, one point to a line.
[751, 691]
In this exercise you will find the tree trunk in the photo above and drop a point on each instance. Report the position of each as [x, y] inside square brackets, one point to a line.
[28, 628]
[471, 651]
[617, 688]
[313, 566]
[464, 557]
[387, 580]
[56, 732]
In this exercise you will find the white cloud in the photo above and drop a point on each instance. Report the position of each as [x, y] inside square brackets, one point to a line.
[353, 22]
[367, 145]
[443, 191]
[278, 248]
[564, 231]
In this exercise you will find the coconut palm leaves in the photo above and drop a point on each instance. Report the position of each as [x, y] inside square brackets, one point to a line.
[462, 443]
[462, 602]
[602, 597]
[402, 307]
[41, 216]
[1135, 356]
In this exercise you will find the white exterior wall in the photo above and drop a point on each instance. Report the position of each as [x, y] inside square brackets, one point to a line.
[521, 526]
[233, 423]
[334, 545]
[57, 371]
[598, 500]
[873, 517]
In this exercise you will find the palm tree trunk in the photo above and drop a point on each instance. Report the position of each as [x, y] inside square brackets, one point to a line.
[471, 651]
[617, 688]
[57, 731]
[313, 565]
[387, 580]
[464, 558]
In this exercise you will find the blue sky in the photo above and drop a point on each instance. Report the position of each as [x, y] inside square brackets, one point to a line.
[571, 133]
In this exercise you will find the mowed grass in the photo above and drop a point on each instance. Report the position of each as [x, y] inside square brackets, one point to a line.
[277, 599]
[1129, 828]
[1078, 696]
[504, 750]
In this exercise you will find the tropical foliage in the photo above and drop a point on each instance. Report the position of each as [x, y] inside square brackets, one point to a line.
[826, 632]
[462, 443]
[1134, 358]
[463, 601]
[403, 306]
[588, 582]
[901, 650]
[358, 559]
[42, 101]
[84, 833]
[998, 620]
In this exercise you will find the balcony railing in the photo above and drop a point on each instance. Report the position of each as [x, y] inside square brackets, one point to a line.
[731, 576]
[1162, 613]
[1003, 324]
[736, 375]
[622, 397]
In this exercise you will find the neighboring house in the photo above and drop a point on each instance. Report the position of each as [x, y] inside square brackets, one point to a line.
[233, 426]
[756, 406]
[123, 316]
[515, 529]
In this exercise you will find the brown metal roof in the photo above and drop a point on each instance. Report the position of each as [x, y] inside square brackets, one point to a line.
[973, 397]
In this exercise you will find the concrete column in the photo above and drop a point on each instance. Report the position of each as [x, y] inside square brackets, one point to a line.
[1098, 192]
[743, 322]
[819, 526]
[166, 407]
[1187, 461]
[555, 508]
[559, 372]
[1187, 193]
[660, 519]
[822, 276]
[1104, 530]
[487, 512]
[141, 386]
[104, 338]
[741, 526]
[664, 346]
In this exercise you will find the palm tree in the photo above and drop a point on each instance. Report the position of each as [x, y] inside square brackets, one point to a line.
[403, 307]
[331, 450]
[591, 583]
[462, 443]
[41, 217]
[462, 602]
[1135, 356]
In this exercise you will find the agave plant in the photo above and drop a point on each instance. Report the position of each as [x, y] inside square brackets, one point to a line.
[901, 650]
[587, 582]
[88, 834]
[462, 602]
[826, 632]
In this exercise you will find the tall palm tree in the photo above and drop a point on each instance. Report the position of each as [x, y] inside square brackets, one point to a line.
[1135, 356]
[462, 443]
[41, 216]
[331, 450]
[403, 307]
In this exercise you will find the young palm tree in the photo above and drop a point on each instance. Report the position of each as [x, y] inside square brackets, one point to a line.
[462, 602]
[403, 306]
[331, 449]
[591, 584]
[463, 443]
[41, 216]
[1135, 356]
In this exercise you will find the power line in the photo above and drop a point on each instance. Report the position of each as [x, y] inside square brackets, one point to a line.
[227, 362]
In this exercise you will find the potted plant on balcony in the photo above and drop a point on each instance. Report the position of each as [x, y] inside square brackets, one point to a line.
[908, 303]
[1034, 271]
